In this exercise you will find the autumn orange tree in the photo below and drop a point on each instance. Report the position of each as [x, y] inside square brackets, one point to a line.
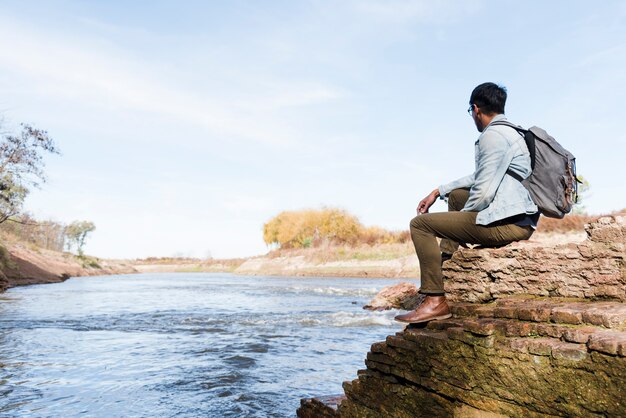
[310, 227]
[303, 228]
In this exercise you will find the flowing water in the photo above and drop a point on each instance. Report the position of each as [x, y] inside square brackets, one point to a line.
[198, 344]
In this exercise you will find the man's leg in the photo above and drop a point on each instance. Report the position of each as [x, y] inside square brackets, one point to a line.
[456, 201]
[455, 227]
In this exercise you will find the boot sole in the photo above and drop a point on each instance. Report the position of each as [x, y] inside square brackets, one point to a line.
[426, 320]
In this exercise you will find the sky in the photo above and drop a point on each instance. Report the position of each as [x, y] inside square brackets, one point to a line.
[184, 126]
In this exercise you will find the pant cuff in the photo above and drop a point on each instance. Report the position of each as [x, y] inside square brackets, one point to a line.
[432, 292]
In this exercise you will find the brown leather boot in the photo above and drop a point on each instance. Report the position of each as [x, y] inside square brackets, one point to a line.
[433, 308]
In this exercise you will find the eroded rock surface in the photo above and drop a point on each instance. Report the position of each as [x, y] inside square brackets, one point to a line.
[535, 332]
[515, 357]
[402, 296]
[595, 268]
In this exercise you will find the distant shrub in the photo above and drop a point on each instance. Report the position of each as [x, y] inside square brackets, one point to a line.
[571, 222]
[305, 228]
[90, 262]
[376, 235]
[312, 228]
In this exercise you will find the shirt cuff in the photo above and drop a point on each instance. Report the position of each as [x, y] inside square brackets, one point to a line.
[442, 192]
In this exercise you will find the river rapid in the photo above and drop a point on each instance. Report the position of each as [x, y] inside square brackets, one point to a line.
[183, 344]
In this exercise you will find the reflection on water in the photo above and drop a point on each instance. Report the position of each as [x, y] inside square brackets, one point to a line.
[183, 344]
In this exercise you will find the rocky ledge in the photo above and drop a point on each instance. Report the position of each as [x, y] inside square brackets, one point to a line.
[555, 348]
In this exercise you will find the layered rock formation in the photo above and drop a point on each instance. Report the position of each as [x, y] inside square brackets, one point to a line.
[556, 348]
[595, 268]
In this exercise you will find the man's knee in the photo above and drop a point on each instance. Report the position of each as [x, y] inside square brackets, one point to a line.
[417, 223]
[457, 199]
[414, 222]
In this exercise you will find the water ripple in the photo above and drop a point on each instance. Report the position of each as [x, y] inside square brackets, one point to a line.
[182, 344]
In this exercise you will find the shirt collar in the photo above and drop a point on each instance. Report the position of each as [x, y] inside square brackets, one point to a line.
[496, 118]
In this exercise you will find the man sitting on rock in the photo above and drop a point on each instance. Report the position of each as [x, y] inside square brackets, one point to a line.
[488, 207]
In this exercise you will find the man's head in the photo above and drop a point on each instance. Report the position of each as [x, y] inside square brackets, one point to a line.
[487, 100]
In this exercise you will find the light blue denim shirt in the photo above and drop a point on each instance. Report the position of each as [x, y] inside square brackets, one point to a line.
[494, 194]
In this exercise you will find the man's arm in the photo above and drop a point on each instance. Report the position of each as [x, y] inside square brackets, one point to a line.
[444, 190]
[427, 202]
[494, 157]
[462, 183]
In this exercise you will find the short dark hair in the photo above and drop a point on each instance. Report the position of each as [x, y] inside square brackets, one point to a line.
[489, 97]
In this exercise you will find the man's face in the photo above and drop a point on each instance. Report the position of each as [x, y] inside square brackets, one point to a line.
[475, 113]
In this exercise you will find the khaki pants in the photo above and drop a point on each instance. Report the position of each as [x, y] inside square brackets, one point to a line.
[455, 227]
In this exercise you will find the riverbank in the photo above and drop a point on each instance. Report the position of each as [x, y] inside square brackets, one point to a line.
[390, 260]
[384, 260]
[22, 264]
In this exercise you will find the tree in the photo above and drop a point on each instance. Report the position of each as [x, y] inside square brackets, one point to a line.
[583, 191]
[303, 228]
[46, 234]
[21, 166]
[76, 234]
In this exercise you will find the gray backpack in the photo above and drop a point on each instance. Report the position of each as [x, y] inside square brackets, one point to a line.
[553, 184]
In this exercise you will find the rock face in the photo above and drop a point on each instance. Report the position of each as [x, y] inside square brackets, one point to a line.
[556, 348]
[594, 269]
[402, 295]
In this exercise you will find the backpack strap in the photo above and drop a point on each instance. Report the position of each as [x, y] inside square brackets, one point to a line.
[515, 175]
[510, 125]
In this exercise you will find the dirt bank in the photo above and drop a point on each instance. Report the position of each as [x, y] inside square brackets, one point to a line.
[21, 264]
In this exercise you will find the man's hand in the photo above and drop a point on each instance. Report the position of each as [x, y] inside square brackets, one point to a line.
[427, 202]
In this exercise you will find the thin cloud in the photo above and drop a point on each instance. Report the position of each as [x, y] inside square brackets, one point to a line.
[412, 11]
[95, 74]
[605, 56]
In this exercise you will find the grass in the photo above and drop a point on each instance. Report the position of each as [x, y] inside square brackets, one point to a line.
[5, 259]
[329, 252]
[89, 262]
[190, 265]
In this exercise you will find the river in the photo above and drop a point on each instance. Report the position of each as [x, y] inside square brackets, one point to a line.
[183, 344]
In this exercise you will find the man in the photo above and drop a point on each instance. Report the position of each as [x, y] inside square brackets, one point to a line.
[488, 207]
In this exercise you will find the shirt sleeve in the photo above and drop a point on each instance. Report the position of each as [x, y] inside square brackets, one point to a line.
[492, 162]
[462, 183]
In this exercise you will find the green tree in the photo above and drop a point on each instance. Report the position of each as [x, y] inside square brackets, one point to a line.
[76, 234]
[21, 166]
[583, 191]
